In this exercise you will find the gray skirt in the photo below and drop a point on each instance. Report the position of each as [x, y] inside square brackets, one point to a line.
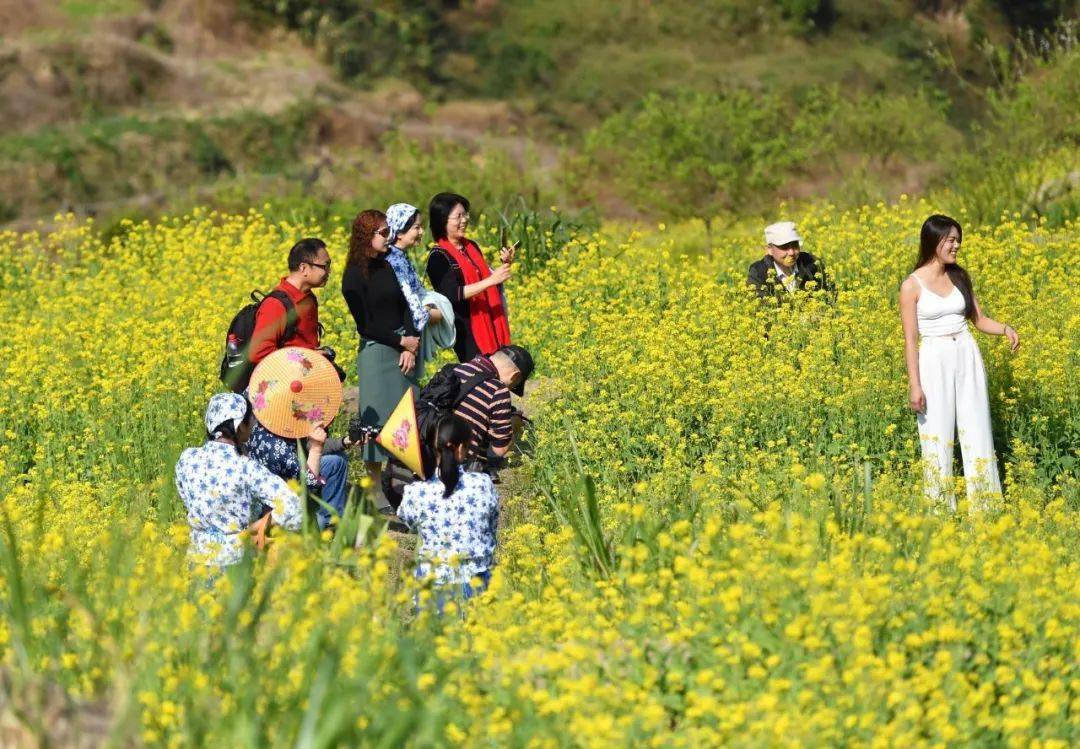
[381, 386]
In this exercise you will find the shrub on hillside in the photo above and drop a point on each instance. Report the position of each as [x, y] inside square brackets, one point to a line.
[1030, 141]
[693, 155]
[696, 155]
[365, 38]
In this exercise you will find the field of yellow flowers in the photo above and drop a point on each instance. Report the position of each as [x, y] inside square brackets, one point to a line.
[723, 540]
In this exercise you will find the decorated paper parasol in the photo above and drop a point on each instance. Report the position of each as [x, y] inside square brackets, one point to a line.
[294, 390]
[401, 437]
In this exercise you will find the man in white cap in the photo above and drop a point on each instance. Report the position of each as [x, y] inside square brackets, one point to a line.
[785, 268]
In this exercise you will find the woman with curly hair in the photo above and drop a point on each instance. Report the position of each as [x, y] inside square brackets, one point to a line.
[389, 338]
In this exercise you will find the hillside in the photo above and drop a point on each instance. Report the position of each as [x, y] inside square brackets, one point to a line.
[127, 107]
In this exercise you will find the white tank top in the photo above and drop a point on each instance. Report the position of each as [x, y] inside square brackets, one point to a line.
[939, 315]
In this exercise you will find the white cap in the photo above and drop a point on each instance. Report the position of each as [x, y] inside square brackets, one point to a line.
[781, 233]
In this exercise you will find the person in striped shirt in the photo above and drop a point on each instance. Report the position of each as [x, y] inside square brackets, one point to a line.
[487, 406]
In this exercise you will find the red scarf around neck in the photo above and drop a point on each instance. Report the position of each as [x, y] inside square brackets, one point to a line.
[487, 313]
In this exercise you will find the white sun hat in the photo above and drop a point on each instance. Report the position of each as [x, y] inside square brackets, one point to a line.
[781, 233]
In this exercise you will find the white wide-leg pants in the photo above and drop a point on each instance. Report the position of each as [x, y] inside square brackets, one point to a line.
[954, 382]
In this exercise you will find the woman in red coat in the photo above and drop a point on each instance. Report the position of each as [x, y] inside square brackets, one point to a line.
[457, 270]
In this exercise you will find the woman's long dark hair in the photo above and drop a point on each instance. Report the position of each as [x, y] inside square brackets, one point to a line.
[935, 229]
[450, 433]
[364, 227]
[439, 212]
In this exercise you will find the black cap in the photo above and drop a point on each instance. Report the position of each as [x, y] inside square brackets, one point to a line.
[523, 360]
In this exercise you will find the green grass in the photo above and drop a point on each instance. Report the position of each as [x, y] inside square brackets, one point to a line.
[91, 8]
[84, 11]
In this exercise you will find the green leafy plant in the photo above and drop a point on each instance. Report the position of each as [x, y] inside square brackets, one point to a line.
[693, 155]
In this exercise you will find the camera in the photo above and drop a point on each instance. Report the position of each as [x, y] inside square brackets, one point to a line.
[360, 433]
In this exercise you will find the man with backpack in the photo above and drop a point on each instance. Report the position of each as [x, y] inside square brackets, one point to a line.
[288, 316]
[309, 268]
[479, 392]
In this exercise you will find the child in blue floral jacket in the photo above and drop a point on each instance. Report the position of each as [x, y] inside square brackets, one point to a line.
[455, 513]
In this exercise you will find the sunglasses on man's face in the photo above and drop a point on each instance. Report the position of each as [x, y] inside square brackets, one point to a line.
[320, 266]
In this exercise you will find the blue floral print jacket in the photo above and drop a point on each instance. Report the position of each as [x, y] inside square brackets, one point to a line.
[224, 492]
[457, 533]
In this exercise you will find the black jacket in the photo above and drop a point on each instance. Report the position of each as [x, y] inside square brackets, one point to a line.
[377, 304]
[762, 276]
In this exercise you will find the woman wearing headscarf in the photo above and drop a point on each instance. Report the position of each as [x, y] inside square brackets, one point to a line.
[457, 269]
[403, 223]
[225, 491]
[385, 297]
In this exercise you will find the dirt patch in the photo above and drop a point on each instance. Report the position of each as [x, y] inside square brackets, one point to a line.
[60, 81]
[200, 58]
[205, 26]
[477, 116]
[890, 180]
[396, 100]
[37, 714]
[17, 16]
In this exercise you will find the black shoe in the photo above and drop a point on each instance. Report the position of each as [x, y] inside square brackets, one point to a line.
[393, 523]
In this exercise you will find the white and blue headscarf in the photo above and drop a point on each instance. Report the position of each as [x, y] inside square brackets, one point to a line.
[398, 217]
[224, 407]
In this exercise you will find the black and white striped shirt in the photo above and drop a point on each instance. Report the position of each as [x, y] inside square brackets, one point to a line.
[486, 408]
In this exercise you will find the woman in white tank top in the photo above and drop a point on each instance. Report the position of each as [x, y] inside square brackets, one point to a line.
[946, 377]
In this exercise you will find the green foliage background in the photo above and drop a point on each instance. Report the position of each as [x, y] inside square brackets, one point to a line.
[634, 109]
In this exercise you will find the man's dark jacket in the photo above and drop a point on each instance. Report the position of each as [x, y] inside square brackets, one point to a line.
[762, 276]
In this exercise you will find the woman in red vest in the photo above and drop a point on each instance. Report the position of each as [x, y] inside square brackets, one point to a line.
[457, 270]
